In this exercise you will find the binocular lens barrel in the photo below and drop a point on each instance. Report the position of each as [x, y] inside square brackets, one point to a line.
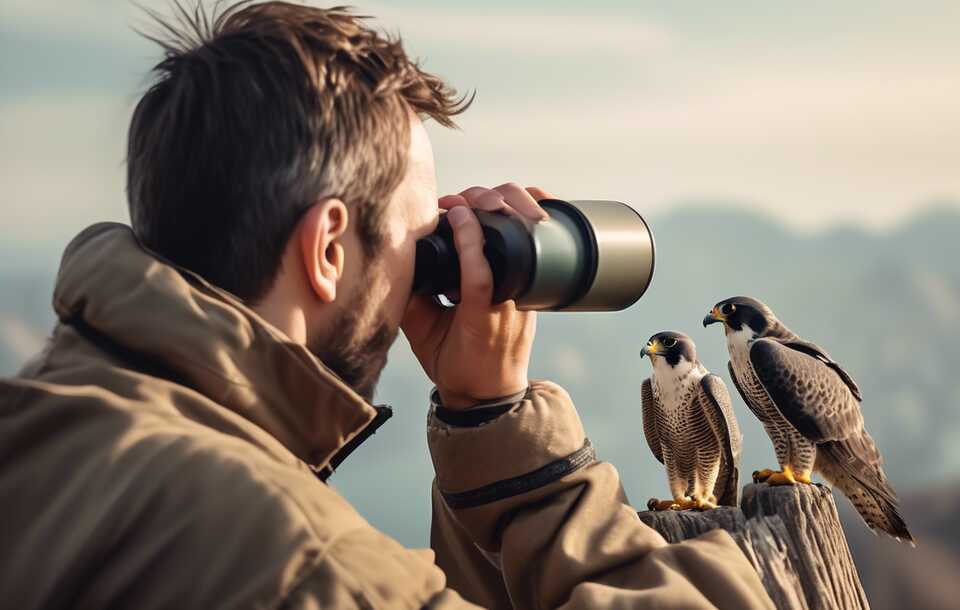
[588, 256]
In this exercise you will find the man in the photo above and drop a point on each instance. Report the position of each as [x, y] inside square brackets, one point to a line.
[214, 362]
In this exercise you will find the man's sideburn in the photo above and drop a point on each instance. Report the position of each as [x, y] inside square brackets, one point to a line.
[354, 349]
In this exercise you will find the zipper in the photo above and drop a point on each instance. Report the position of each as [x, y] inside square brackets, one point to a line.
[384, 412]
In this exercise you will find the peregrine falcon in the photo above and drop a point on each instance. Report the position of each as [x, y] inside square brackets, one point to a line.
[690, 426]
[810, 408]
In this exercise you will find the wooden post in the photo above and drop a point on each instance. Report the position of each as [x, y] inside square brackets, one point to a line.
[792, 536]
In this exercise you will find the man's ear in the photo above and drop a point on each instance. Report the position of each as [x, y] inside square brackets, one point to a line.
[321, 249]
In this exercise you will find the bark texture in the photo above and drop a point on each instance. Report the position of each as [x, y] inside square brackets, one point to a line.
[791, 535]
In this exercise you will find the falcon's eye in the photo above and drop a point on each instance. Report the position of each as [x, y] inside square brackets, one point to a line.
[669, 342]
[728, 309]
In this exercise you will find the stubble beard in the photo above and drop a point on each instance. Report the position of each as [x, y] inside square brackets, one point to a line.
[358, 342]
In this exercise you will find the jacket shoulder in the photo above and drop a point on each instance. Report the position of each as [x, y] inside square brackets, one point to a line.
[184, 511]
[267, 512]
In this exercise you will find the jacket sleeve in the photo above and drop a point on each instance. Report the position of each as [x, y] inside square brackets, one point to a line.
[521, 494]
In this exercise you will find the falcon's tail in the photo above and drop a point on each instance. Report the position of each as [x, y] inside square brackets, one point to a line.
[864, 484]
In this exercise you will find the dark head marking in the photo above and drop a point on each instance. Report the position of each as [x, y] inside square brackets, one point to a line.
[737, 312]
[671, 346]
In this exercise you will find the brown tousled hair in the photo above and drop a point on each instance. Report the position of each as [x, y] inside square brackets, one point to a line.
[257, 111]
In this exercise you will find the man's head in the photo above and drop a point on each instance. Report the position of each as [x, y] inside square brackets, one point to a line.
[280, 154]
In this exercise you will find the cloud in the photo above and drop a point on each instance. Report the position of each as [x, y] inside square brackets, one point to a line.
[588, 102]
[75, 20]
[461, 27]
[814, 148]
[521, 32]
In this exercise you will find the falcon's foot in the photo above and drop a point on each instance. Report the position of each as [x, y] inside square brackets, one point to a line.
[703, 504]
[759, 476]
[655, 504]
[788, 477]
[684, 504]
[681, 504]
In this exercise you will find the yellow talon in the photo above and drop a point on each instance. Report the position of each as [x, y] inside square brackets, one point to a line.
[788, 477]
[781, 478]
[684, 504]
[704, 504]
[654, 504]
[759, 476]
[681, 504]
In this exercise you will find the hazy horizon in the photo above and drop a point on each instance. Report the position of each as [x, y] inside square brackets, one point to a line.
[817, 114]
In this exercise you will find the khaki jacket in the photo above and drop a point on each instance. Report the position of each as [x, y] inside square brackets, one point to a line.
[167, 450]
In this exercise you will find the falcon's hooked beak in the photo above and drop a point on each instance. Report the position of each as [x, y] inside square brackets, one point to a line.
[713, 317]
[650, 349]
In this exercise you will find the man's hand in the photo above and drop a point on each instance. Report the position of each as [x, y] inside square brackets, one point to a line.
[475, 351]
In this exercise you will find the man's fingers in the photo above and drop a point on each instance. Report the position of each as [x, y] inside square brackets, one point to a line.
[476, 279]
[470, 194]
[539, 194]
[522, 201]
[479, 198]
[420, 316]
[509, 197]
[490, 201]
[482, 198]
[451, 201]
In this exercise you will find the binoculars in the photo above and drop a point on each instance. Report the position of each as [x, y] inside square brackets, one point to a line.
[588, 256]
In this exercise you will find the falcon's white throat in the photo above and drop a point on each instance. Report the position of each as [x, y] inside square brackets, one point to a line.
[674, 382]
[738, 341]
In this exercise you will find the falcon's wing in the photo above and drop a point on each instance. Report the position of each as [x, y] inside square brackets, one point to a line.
[650, 409]
[821, 354]
[715, 401]
[807, 389]
[821, 401]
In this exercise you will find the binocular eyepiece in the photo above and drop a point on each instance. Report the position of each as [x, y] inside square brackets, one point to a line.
[588, 256]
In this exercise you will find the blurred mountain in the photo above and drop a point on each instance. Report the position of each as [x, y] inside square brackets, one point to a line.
[896, 576]
[886, 305]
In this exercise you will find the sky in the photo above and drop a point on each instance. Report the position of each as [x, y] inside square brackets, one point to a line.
[815, 113]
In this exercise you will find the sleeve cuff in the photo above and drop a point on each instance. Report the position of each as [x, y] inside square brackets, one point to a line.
[476, 415]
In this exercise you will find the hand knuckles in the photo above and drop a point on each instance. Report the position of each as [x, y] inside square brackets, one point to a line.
[490, 199]
[473, 193]
[452, 200]
[538, 193]
[509, 187]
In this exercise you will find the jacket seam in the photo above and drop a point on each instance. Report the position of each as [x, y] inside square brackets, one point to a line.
[515, 486]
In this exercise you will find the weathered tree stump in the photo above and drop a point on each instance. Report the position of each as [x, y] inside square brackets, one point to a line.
[791, 535]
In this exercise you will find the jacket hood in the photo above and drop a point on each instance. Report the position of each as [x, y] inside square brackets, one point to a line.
[208, 340]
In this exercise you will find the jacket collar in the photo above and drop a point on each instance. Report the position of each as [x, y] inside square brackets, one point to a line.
[113, 287]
